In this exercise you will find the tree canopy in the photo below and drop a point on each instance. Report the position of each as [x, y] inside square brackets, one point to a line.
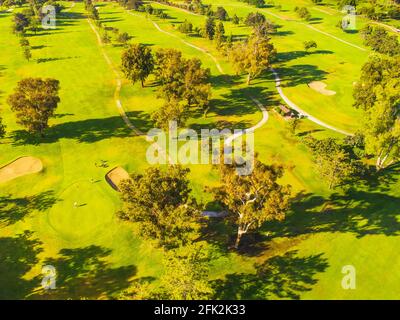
[254, 199]
[34, 101]
[159, 201]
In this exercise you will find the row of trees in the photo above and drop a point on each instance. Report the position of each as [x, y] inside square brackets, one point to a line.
[26, 48]
[30, 18]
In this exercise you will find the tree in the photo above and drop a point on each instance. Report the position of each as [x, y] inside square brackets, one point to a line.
[380, 40]
[34, 101]
[21, 22]
[235, 19]
[159, 201]
[378, 96]
[254, 199]
[221, 14]
[105, 37]
[2, 128]
[219, 34]
[24, 42]
[182, 79]
[209, 28]
[253, 56]
[309, 45]
[294, 124]
[27, 53]
[197, 89]
[333, 161]
[137, 63]
[303, 13]
[254, 19]
[186, 275]
[123, 38]
[172, 110]
[170, 71]
[186, 27]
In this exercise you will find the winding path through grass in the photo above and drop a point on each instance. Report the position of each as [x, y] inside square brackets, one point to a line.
[265, 115]
[294, 106]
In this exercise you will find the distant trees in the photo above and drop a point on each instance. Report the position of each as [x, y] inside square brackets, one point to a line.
[252, 56]
[219, 34]
[92, 10]
[309, 45]
[293, 124]
[256, 3]
[159, 201]
[261, 26]
[26, 49]
[2, 128]
[303, 13]
[137, 63]
[20, 22]
[377, 94]
[254, 199]
[208, 30]
[131, 4]
[186, 27]
[27, 53]
[123, 38]
[221, 14]
[254, 19]
[34, 101]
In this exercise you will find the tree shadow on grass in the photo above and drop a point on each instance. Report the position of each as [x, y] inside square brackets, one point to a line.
[16, 209]
[43, 60]
[300, 74]
[85, 131]
[315, 20]
[239, 103]
[358, 212]
[293, 55]
[84, 273]
[70, 15]
[17, 256]
[285, 277]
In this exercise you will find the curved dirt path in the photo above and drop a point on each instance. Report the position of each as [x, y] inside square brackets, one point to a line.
[118, 82]
[265, 115]
[277, 79]
[254, 128]
[301, 111]
[117, 92]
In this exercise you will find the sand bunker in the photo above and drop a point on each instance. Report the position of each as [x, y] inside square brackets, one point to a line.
[321, 88]
[20, 167]
[116, 176]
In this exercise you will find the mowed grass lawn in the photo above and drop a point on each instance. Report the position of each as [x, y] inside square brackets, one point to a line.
[97, 255]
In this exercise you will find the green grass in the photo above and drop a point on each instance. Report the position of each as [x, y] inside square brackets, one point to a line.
[97, 255]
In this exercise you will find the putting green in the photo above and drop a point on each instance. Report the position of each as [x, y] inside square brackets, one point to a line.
[82, 210]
